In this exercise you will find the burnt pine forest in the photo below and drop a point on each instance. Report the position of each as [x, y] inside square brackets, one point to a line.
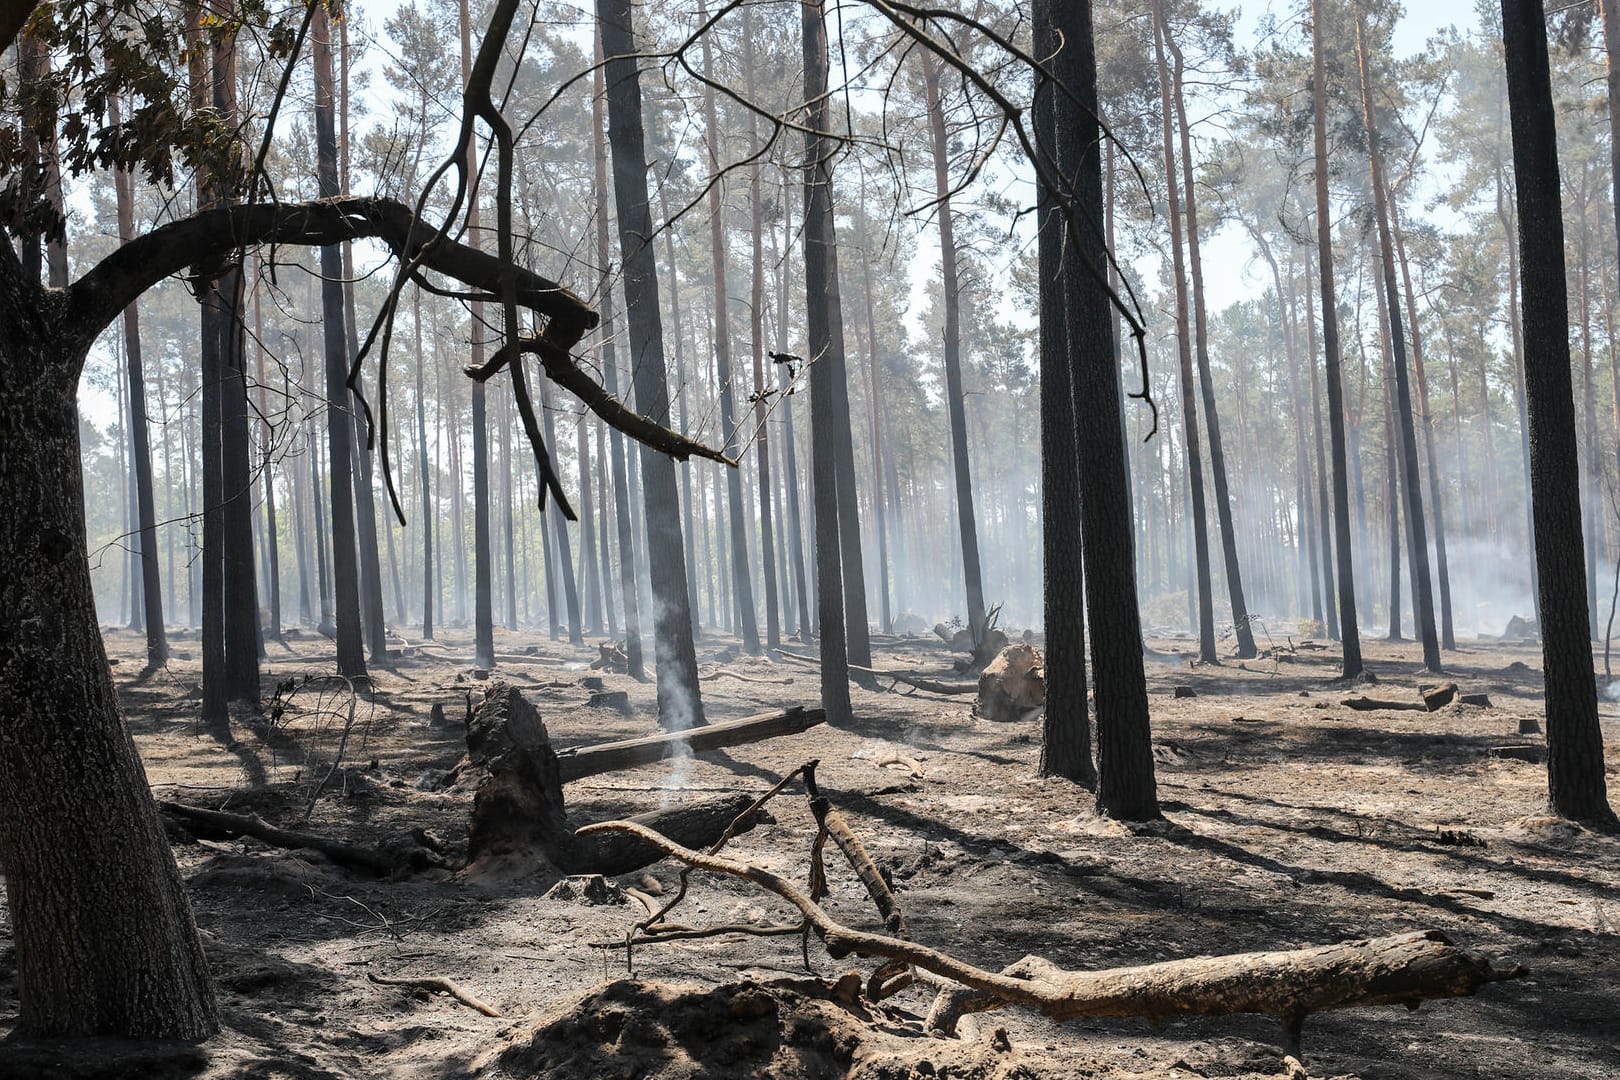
[1007, 539]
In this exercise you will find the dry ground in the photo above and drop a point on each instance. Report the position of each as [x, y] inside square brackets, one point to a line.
[1294, 821]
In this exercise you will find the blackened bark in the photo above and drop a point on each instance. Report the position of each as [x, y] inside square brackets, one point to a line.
[1349, 628]
[105, 940]
[157, 643]
[741, 571]
[1416, 527]
[1575, 778]
[339, 433]
[955, 401]
[756, 325]
[1066, 727]
[428, 510]
[610, 378]
[825, 337]
[679, 703]
[1217, 451]
[1189, 402]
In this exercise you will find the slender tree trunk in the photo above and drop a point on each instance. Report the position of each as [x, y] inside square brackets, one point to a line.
[825, 332]
[1416, 527]
[429, 510]
[1189, 407]
[875, 410]
[966, 518]
[610, 375]
[1575, 778]
[1217, 452]
[741, 577]
[271, 532]
[1448, 632]
[157, 643]
[1349, 629]
[340, 439]
[756, 309]
[785, 376]
[559, 523]
[679, 703]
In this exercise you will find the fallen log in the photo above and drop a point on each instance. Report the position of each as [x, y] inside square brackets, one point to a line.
[1438, 697]
[1371, 704]
[406, 853]
[439, 985]
[727, 673]
[578, 762]
[519, 819]
[1400, 969]
[911, 679]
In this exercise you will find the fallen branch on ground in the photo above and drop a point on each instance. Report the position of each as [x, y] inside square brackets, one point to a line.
[911, 679]
[1400, 969]
[437, 984]
[219, 825]
[727, 673]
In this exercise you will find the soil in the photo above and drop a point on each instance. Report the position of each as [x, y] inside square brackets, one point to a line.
[1290, 821]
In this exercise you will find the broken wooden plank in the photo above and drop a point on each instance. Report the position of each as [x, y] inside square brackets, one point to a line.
[578, 762]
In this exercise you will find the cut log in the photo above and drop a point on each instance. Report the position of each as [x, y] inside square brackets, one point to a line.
[404, 854]
[1482, 701]
[1438, 697]
[1013, 686]
[581, 761]
[611, 658]
[618, 700]
[519, 821]
[1370, 704]
[1532, 754]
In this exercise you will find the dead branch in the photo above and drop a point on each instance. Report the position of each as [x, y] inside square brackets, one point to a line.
[727, 673]
[911, 679]
[439, 985]
[1399, 969]
[219, 825]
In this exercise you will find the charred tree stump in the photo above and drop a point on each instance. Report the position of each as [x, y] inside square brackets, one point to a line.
[519, 817]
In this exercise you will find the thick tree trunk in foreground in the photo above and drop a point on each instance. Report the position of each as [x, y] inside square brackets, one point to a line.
[104, 935]
[1126, 787]
[825, 335]
[1066, 728]
[1349, 626]
[679, 703]
[1575, 778]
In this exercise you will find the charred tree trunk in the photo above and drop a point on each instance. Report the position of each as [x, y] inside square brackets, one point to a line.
[1575, 778]
[1217, 451]
[340, 438]
[1066, 728]
[104, 935]
[428, 511]
[756, 324]
[1416, 527]
[157, 643]
[825, 335]
[679, 702]
[610, 375]
[956, 404]
[1189, 407]
[741, 573]
[1349, 628]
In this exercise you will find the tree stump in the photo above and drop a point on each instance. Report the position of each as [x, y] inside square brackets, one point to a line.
[1013, 686]
[519, 820]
